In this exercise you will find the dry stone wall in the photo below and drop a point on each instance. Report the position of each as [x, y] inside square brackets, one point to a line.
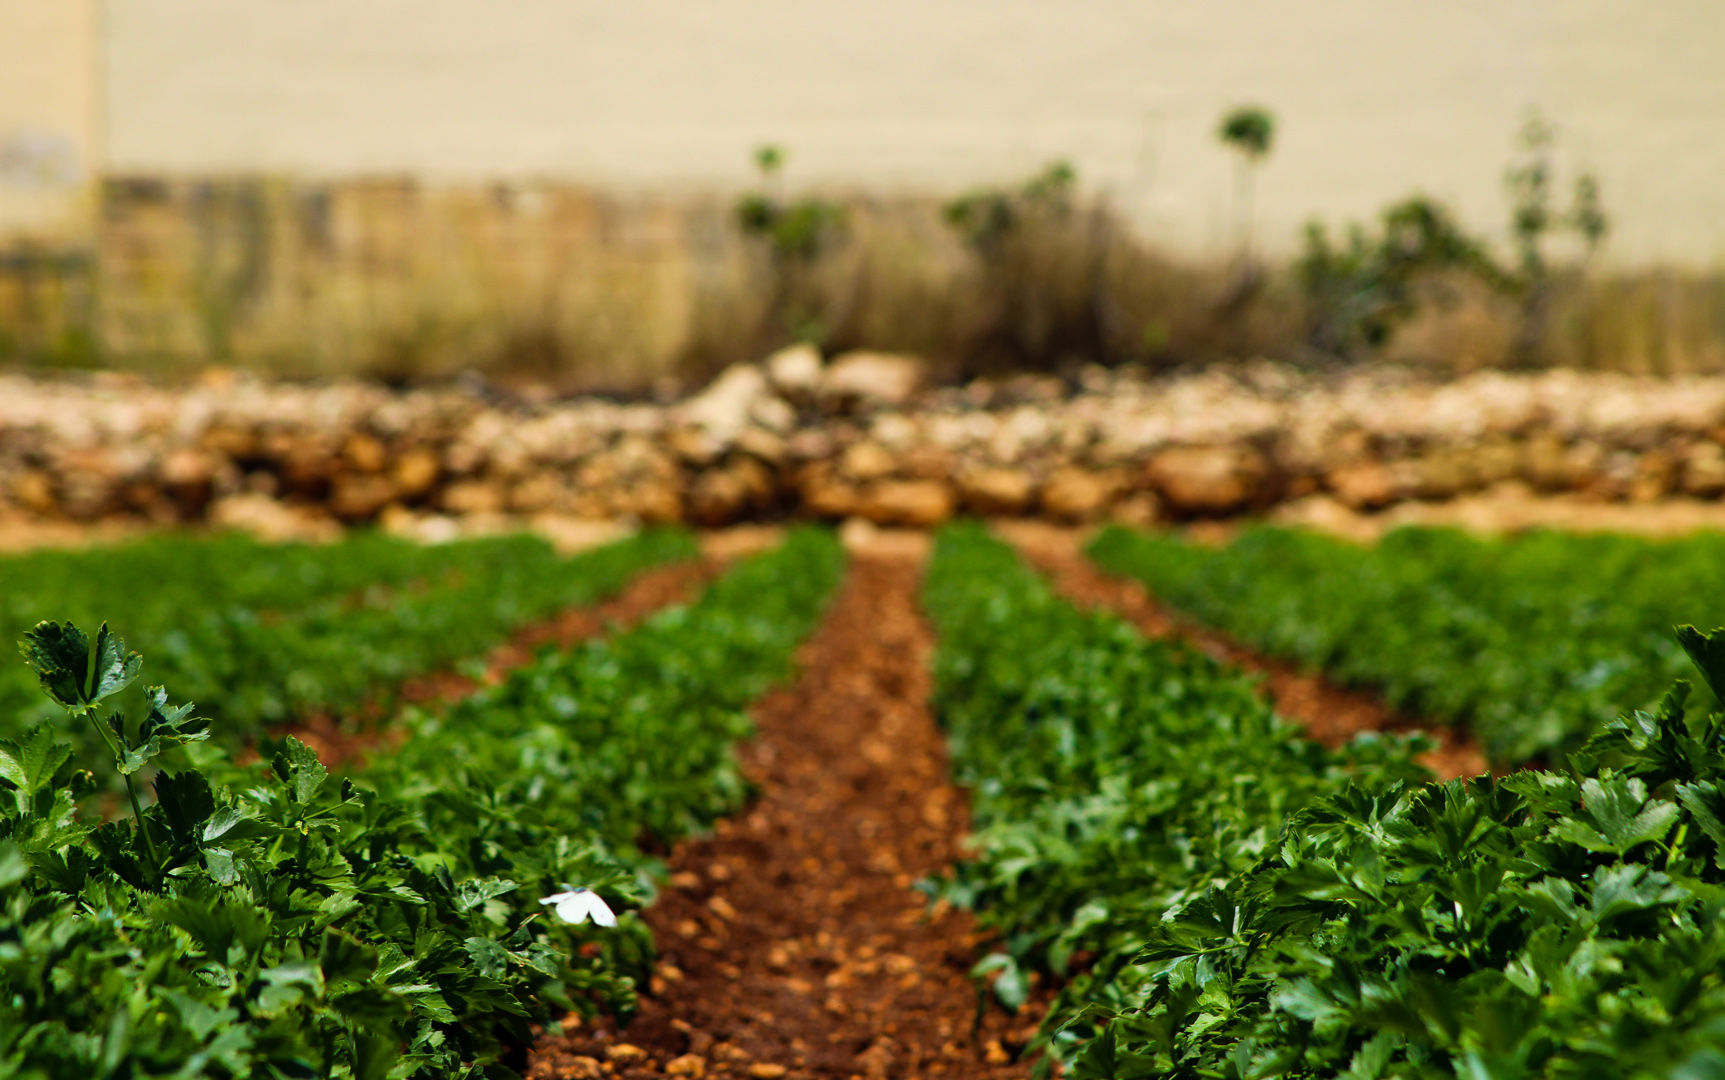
[859, 435]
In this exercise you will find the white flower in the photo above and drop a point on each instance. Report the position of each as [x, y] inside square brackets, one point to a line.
[578, 905]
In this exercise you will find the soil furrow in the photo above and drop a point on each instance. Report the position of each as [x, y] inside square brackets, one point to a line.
[338, 743]
[792, 941]
[1331, 714]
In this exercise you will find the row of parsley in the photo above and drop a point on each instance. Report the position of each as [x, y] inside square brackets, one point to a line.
[383, 923]
[1533, 641]
[1228, 899]
[265, 633]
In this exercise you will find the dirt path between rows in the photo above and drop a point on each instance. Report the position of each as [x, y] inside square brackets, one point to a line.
[339, 743]
[1331, 714]
[792, 942]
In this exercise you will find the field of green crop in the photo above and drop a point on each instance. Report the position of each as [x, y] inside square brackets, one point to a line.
[259, 635]
[1194, 887]
[1254, 905]
[1533, 642]
[278, 920]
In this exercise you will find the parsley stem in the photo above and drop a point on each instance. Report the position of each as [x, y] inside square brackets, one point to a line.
[143, 827]
[131, 789]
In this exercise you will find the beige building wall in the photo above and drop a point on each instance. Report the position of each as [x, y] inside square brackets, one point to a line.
[49, 86]
[1375, 99]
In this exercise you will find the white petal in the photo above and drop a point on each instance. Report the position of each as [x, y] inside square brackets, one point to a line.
[578, 905]
[600, 911]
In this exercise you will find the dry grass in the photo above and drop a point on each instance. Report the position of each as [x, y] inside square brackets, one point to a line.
[1653, 322]
[556, 285]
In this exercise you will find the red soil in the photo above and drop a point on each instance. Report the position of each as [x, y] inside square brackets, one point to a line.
[1330, 714]
[792, 941]
[338, 743]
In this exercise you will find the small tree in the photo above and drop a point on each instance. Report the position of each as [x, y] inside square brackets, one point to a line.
[1533, 221]
[1040, 257]
[796, 234]
[1250, 129]
[1358, 293]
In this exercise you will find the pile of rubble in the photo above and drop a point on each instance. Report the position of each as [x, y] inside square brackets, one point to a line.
[862, 436]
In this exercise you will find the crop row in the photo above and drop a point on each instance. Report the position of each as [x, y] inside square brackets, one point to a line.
[1534, 642]
[263, 634]
[274, 920]
[1230, 900]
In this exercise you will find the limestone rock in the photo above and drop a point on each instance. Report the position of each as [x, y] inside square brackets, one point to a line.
[871, 379]
[795, 372]
[690, 1065]
[537, 493]
[926, 462]
[759, 481]
[896, 431]
[1545, 463]
[473, 497]
[718, 497]
[1493, 462]
[697, 447]
[573, 535]
[866, 461]
[306, 464]
[415, 472]
[359, 496]
[826, 494]
[774, 414]
[920, 504]
[1704, 470]
[1325, 514]
[1208, 443]
[655, 500]
[33, 490]
[1656, 475]
[230, 441]
[722, 496]
[722, 409]
[271, 521]
[364, 453]
[1139, 510]
[996, 491]
[1550, 464]
[1363, 485]
[1207, 479]
[1078, 495]
[88, 484]
[187, 468]
[189, 477]
[811, 444]
[764, 445]
[1440, 475]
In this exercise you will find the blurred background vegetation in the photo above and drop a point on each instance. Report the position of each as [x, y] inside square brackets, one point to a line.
[557, 286]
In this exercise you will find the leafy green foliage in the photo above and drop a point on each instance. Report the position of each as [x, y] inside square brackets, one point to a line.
[1248, 129]
[988, 217]
[1359, 292]
[1113, 779]
[635, 732]
[797, 233]
[1551, 924]
[1042, 256]
[274, 920]
[1310, 918]
[267, 633]
[1532, 219]
[1533, 641]
[78, 679]
[1534, 222]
